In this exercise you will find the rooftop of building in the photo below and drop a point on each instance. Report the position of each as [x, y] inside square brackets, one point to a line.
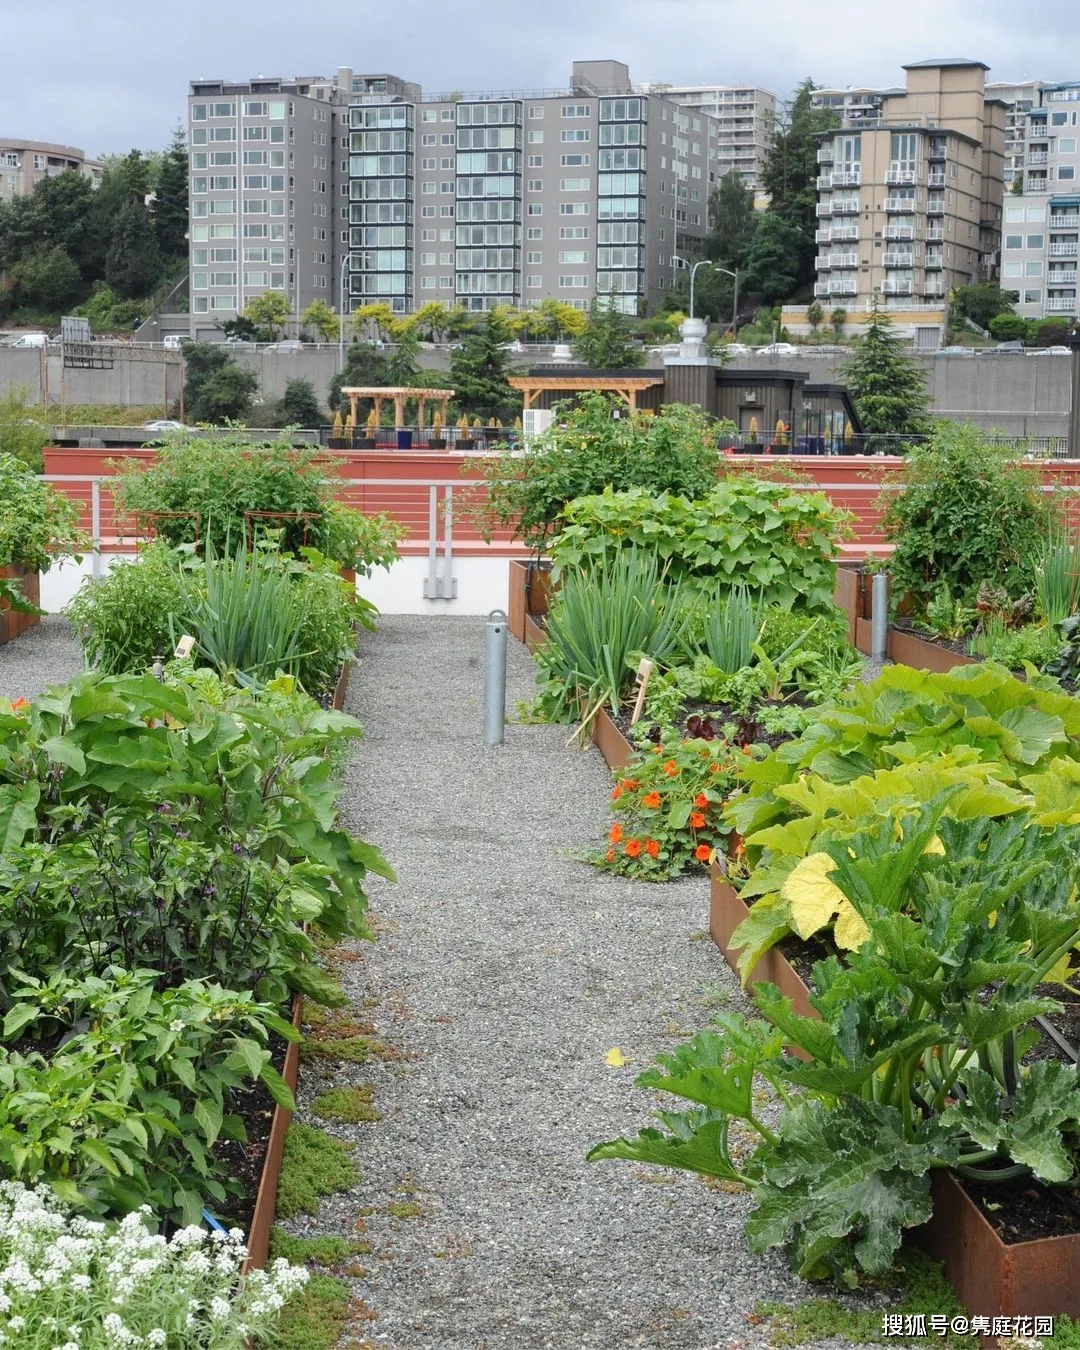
[42, 147]
[942, 62]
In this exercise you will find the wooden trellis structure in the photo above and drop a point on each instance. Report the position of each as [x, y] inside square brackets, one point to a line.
[627, 386]
[381, 394]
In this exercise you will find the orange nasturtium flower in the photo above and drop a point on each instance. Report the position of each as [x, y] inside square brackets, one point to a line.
[671, 769]
[697, 820]
[616, 793]
[19, 704]
[714, 768]
[609, 856]
[652, 848]
[701, 801]
[651, 799]
[633, 848]
[615, 834]
[629, 784]
[703, 853]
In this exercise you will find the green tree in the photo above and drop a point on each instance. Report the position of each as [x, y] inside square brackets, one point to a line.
[773, 260]
[322, 318]
[790, 176]
[815, 315]
[478, 370]
[731, 221]
[269, 312]
[55, 215]
[714, 292]
[606, 341]
[171, 199]
[837, 319]
[217, 389]
[402, 367]
[46, 279]
[365, 368]
[887, 385]
[298, 406]
[24, 431]
[133, 262]
[1009, 327]
[982, 301]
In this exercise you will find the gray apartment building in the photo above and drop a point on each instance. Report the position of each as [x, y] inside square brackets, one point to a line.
[744, 117]
[361, 188]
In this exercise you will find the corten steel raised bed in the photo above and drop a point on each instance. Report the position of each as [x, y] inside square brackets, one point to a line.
[995, 1278]
[726, 912]
[908, 649]
[13, 623]
[529, 589]
[534, 635]
[342, 686]
[849, 596]
[610, 741]
[262, 1218]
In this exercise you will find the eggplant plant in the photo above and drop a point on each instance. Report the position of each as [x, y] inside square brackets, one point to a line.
[913, 1061]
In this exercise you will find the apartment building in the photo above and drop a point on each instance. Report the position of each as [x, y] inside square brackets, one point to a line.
[24, 163]
[744, 118]
[1041, 228]
[852, 105]
[262, 203]
[1019, 99]
[910, 199]
[511, 198]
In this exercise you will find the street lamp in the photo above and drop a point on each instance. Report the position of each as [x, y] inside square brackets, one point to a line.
[341, 310]
[703, 262]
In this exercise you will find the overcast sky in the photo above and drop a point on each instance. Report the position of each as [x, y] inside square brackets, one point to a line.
[107, 75]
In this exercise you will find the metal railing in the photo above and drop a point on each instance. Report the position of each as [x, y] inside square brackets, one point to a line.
[873, 443]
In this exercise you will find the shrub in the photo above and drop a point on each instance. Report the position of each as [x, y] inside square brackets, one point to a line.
[38, 525]
[588, 449]
[122, 622]
[1009, 327]
[1038, 644]
[766, 536]
[298, 406]
[218, 389]
[967, 512]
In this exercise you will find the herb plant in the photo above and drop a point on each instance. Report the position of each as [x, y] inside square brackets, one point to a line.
[122, 621]
[38, 525]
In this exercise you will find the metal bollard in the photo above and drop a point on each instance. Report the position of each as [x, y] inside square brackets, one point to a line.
[495, 678]
[879, 617]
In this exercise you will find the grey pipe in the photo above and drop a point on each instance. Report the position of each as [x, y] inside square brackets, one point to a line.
[879, 617]
[495, 678]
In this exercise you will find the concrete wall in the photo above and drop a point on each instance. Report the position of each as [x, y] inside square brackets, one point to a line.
[1021, 395]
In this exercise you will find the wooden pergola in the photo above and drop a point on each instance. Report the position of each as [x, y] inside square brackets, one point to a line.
[381, 394]
[626, 386]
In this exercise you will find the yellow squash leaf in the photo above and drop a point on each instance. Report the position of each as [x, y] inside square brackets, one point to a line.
[615, 1058]
[812, 898]
[850, 932]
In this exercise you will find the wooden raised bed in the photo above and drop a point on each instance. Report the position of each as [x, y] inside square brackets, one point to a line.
[262, 1219]
[13, 623]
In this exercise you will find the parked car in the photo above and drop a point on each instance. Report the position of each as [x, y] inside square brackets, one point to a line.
[31, 340]
[1052, 351]
[954, 351]
[163, 424]
[288, 345]
[780, 349]
[1007, 348]
[172, 341]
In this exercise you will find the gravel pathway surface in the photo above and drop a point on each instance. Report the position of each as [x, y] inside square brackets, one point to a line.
[505, 970]
[44, 655]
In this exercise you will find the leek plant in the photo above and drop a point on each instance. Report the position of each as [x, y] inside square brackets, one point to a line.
[246, 612]
[732, 626]
[604, 616]
[1057, 575]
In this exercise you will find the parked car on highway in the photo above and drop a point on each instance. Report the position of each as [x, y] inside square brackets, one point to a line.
[163, 424]
[954, 351]
[1013, 345]
[780, 349]
[31, 340]
[288, 345]
[1052, 351]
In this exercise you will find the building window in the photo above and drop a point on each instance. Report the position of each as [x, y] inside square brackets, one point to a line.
[446, 211]
[1035, 241]
[447, 138]
[430, 115]
[577, 255]
[577, 282]
[535, 209]
[1033, 269]
[447, 236]
[427, 189]
[574, 161]
[536, 111]
[534, 232]
[1066, 171]
[446, 162]
[576, 134]
[574, 209]
[198, 112]
[533, 283]
[446, 283]
[574, 231]
[427, 236]
[536, 138]
[427, 283]
[427, 259]
[428, 164]
[447, 188]
[574, 184]
[446, 259]
[429, 138]
[575, 110]
[535, 185]
[1033, 297]
[1014, 241]
[534, 259]
[536, 161]
[427, 211]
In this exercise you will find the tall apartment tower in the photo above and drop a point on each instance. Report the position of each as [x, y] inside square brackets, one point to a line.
[744, 117]
[910, 200]
[510, 198]
[261, 193]
[1041, 229]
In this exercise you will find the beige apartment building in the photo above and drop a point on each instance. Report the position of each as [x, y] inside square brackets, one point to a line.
[910, 199]
[24, 163]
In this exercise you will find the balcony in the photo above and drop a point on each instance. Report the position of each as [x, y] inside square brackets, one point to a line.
[821, 288]
[844, 259]
[1061, 304]
[936, 152]
[894, 286]
[823, 209]
[846, 177]
[1062, 248]
[1038, 157]
[1036, 184]
[899, 232]
[934, 289]
[900, 177]
[1065, 277]
[822, 263]
[850, 207]
[935, 234]
[845, 234]
[823, 182]
[935, 206]
[825, 155]
[902, 206]
[936, 178]
[934, 261]
[823, 236]
[847, 286]
[1064, 222]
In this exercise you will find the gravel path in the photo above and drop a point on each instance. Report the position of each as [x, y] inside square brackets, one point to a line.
[44, 655]
[505, 970]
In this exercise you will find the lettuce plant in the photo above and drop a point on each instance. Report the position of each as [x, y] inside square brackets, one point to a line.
[914, 1060]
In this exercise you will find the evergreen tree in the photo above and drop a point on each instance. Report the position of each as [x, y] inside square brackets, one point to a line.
[731, 221]
[605, 342]
[478, 370]
[133, 263]
[298, 406]
[772, 262]
[401, 367]
[365, 367]
[46, 279]
[217, 389]
[790, 175]
[887, 386]
[171, 199]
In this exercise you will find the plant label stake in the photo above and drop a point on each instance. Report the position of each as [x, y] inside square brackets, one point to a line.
[184, 647]
[644, 670]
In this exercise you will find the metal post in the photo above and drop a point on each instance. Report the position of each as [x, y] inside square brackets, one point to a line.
[1074, 402]
[495, 678]
[431, 585]
[95, 528]
[879, 617]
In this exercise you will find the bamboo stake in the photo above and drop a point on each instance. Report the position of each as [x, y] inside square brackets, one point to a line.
[644, 670]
